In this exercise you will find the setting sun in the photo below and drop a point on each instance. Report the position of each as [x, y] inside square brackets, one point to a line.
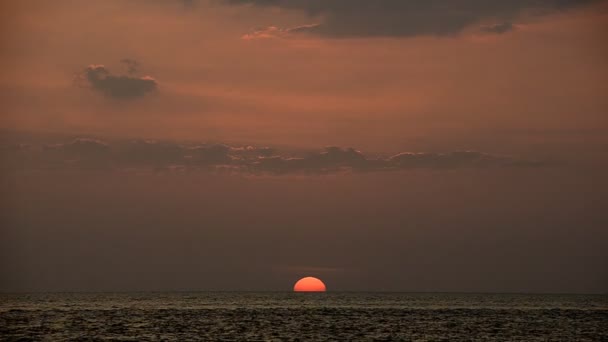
[309, 284]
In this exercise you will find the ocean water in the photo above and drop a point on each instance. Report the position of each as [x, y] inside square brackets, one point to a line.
[250, 316]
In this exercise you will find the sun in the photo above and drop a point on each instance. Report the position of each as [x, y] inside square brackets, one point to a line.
[309, 284]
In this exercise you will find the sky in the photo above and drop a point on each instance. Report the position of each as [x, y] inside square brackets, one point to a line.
[383, 145]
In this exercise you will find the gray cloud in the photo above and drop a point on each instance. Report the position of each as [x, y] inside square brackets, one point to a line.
[99, 78]
[82, 147]
[448, 160]
[335, 159]
[79, 153]
[331, 159]
[210, 154]
[137, 154]
[361, 18]
[148, 153]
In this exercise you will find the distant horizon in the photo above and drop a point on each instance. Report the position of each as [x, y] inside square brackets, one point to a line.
[309, 293]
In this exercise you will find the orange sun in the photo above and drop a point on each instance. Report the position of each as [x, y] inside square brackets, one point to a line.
[309, 284]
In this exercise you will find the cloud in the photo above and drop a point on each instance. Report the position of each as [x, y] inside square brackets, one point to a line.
[277, 32]
[266, 32]
[99, 78]
[498, 28]
[368, 18]
[81, 152]
[335, 159]
[252, 151]
[210, 154]
[148, 154]
[448, 160]
[84, 147]
[331, 159]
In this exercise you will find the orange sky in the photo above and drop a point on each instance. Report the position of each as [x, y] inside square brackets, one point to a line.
[544, 80]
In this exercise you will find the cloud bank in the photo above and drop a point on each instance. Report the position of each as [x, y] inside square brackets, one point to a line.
[407, 18]
[148, 154]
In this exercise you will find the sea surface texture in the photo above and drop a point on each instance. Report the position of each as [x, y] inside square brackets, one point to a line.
[249, 316]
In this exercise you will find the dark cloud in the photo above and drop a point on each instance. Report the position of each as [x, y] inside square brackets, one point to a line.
[252, 151]
[210, 154]
[335, 159]
[81, 147]
[241, 159]
[361, 18]
[148, 152]
[99, 78]
[328, 160]
[448, 160]
[81, 152]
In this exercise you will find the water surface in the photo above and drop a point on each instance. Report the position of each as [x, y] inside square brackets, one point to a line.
[251, 316]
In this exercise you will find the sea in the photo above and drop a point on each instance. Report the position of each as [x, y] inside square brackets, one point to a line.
[287, 316]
